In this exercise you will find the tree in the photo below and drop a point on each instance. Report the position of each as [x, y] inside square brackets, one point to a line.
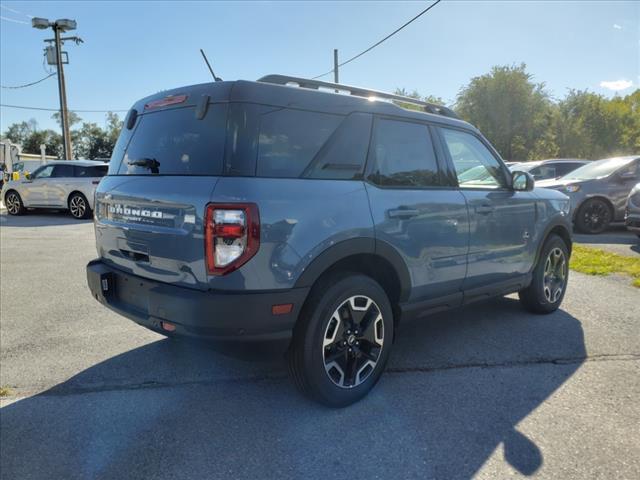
[511, 110]
[73, 117]
[52, 142]
[19, 132]
[415, 94]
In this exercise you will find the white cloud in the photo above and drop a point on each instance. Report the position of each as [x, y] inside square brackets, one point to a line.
[617, 27]
[616, 85]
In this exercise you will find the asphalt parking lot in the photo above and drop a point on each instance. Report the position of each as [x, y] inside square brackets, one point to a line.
[487, 391]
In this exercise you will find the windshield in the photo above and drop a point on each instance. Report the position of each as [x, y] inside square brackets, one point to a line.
[599, 169]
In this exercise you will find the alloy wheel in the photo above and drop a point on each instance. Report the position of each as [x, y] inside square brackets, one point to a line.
[555, 275]
[596, 216]
[78, 206]
[13, 203]
[353, 341]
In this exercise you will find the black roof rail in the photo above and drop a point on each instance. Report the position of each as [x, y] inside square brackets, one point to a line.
[359, 92]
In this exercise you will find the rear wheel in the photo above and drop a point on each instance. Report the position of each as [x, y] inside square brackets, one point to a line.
[594, 216]
[14, 203]
[550, 277]
[342, 341]
[78, 206]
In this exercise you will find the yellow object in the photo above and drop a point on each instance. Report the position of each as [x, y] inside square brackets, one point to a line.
[15, 176]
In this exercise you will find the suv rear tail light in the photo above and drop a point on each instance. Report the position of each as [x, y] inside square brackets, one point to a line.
[232, 236]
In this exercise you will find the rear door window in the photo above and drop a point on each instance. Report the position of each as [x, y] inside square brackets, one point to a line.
[91, 172]
[62, 171]
[174, 142]
[290, 139]
[402, 155]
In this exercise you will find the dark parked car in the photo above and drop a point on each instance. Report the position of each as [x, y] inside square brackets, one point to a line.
[256, 210]
[598, 191]
[548, 169]
[632, 212]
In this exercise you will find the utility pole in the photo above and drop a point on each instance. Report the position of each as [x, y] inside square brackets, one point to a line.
[62, 91]
[336, 78]
[59, 26]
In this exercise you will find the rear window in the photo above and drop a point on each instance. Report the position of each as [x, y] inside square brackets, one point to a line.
[173, 142]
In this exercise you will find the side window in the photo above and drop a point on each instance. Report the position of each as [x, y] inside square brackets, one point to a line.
[62, 171]
[563, 168]
[402, 155]
[86, 172]
[344, 154]
[475, 165]
[44, 172]
[290, 139]
[543, 172]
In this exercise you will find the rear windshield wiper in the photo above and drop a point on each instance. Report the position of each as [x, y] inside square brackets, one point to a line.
[150, 163]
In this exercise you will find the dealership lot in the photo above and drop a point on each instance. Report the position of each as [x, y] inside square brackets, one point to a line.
[488, 391]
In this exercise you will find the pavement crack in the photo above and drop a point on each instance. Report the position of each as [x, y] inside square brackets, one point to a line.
[62, 390]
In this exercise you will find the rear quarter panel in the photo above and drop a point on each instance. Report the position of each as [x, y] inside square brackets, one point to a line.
[299, 219]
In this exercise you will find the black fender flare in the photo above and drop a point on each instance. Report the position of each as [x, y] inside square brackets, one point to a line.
[357, 246]
[558, 223]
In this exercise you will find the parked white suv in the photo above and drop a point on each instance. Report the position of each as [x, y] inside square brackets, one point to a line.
[63, 184]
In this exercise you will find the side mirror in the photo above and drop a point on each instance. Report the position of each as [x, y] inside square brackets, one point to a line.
[522, 181]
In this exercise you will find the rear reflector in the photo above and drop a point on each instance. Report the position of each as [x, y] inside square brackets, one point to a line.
[169, 327]
[170, 100]
[281, 309]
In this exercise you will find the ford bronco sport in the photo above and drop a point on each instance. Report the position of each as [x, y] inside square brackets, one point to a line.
[281, 209]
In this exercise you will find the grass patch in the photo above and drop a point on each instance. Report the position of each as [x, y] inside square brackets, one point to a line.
[594, 261]
[5, 391]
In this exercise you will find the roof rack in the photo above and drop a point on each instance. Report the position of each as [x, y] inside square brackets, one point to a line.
[359, 92]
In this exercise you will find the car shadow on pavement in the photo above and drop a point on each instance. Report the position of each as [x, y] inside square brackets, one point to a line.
[40, 218]
[458, 385]
[616, 235]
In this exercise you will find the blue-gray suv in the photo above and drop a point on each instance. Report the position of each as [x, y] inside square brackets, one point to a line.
[280, 209]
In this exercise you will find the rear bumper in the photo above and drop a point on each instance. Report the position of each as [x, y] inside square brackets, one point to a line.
[194, 313]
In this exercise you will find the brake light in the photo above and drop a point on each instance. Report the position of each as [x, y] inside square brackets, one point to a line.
[163, 102]
[232, 236]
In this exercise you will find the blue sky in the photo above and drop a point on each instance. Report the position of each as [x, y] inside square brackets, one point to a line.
[133, 49]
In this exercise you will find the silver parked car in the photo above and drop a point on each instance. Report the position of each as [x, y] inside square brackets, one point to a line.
[549, 169]
[63, 184]
[632, 212]
[598, 191]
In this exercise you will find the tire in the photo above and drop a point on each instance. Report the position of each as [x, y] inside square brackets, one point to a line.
[342, 339]
[78, 206]
[550, 278]
[593, 216]
[14, 204]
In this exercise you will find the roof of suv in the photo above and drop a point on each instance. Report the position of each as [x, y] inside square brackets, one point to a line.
[280, 95]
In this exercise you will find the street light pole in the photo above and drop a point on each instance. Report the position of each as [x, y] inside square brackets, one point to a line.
[62, 91]
[60, 26]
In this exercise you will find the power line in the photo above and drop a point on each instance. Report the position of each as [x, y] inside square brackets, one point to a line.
[7, 19]
[383, 40]
[29, 84]
[22, 107]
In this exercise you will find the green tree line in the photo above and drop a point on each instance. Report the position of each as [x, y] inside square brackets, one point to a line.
[524, 122]
[518, 116]
[88, 139]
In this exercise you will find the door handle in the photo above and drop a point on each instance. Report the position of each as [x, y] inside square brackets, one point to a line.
[484, 209]
[403, 213]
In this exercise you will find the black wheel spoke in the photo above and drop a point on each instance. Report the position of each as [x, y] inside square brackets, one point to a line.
[353, 341]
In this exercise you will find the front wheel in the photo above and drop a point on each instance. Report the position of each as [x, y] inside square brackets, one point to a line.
[78, 206]
[342, 340]
[14, 203]
[593, 216]
[550, 277]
